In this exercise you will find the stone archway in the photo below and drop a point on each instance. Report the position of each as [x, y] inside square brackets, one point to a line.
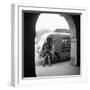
[73, 38]
[29, 21]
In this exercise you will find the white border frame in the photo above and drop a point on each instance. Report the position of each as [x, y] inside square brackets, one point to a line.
[16, 41]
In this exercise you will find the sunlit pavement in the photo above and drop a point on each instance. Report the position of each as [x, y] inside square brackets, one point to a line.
[58, 69]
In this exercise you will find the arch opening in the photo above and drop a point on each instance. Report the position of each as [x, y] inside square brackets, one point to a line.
[59, 26]
[51, 22]
[46, 25]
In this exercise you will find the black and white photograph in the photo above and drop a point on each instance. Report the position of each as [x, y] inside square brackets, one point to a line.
[51, 43]
[44, 44]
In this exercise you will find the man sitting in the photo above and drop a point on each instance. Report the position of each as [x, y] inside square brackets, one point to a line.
[46, 54]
